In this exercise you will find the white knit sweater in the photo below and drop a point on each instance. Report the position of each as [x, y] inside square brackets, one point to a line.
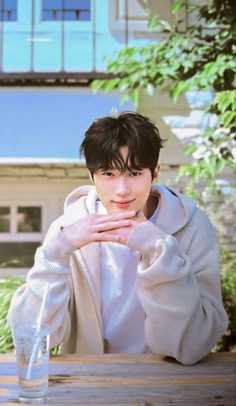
[178, 281]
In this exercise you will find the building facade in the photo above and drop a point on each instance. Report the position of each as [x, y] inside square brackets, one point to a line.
[50, 51]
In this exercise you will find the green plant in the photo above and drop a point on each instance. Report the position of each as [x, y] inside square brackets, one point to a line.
[228, 285]
[219, 202]
[200, 58]
[8, 287]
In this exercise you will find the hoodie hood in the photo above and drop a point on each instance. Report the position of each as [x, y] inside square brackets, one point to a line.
[174, 211]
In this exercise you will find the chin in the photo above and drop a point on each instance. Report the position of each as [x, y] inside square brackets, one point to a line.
[114, 210]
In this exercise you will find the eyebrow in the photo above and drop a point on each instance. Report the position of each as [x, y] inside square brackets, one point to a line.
[135, 169]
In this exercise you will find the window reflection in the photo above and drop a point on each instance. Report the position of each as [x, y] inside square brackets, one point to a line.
[17, 254]
[8, 10]
[67, 10]
[29, 219]
[4, 219]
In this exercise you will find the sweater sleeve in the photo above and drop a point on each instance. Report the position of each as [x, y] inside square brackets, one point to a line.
[51, 265]
[179, 289]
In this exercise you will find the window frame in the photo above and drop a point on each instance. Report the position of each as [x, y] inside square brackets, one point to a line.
[52, 26]
[9, 21]
[118, 22]
[65, 10]
[13, 235]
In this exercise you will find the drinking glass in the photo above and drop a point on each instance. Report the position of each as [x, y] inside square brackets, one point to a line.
[32, 354]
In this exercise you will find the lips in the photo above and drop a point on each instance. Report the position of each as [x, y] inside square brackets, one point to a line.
[123, 204]
[123, 201]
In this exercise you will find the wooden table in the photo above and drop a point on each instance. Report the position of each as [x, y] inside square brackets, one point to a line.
[131, 380]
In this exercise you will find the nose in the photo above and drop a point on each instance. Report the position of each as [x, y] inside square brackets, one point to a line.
[122, 186]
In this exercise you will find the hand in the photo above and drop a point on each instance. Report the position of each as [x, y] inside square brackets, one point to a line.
[97, 228]
[124, 232]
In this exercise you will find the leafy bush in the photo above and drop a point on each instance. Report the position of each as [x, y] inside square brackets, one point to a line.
[201, 58]
[228, 281]
[228, 286]
[219, 202]
[8, 287]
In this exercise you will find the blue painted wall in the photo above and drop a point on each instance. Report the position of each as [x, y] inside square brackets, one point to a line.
[50, 123]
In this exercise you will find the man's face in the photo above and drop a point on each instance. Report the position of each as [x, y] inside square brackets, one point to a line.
[124, 191]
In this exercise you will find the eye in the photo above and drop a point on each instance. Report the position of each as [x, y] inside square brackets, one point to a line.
[135, 173]
[107, 173]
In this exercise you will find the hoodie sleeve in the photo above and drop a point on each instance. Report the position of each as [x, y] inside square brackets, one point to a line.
[52, 265]
[178, 285]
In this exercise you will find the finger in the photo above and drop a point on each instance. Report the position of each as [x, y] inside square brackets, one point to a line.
[115, 217]
[111, 225]
[106, 237]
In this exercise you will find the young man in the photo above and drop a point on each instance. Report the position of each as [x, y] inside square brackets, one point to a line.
[132, 266]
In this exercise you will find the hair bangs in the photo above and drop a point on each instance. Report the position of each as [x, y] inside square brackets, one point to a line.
[105, 138]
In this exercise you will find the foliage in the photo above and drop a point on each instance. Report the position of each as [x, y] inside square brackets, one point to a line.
[200, 58]
[220, 205]
[8, 287]
[13, 263]
[228, 284]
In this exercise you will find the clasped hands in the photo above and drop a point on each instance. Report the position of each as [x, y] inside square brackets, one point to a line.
[103, 228]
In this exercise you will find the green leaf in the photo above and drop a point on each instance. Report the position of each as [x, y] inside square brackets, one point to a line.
[176, 6]
[227, 118]
[223, 103]
[124, 84]
[196, 173]
[110, 84]
[179, 89]
[186, 170]
[150, 89]
[211, 165]
[233, 166]
[135, 96]
[190, 149]
[153, 23]
[220, 164]
[97, 85]
[124, 98]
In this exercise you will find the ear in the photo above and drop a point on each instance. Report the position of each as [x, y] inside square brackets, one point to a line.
[156, 174]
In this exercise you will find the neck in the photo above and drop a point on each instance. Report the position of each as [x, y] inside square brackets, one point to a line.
[150, 206]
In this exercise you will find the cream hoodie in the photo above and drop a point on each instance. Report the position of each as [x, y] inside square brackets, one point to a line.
[178, 281]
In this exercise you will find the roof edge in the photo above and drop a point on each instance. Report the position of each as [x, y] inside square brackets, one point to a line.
[41, 161]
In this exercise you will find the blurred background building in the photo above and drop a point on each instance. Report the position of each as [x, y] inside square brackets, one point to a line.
[50, 51]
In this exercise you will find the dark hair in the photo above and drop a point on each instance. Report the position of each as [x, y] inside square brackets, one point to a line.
[104, 138]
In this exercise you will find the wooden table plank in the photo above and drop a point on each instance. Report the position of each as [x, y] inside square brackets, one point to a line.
[130, 380]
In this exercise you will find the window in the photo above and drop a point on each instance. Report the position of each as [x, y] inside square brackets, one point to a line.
[20, 235]
[8, 10]
[134, 14]
[28, 219]
[20, 219]
[17, 254]
[4, 219]
[66, 10]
